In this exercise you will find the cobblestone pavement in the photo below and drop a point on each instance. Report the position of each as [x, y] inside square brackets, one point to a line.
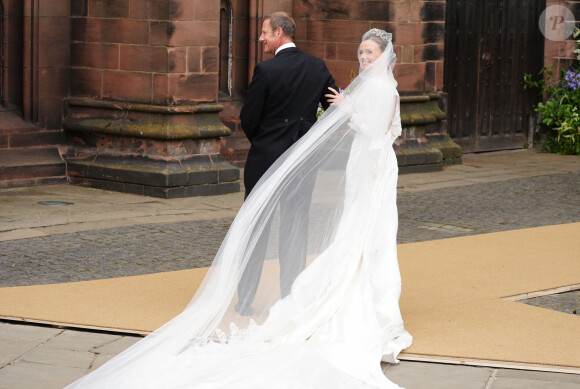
[150, 248]
[568, 302]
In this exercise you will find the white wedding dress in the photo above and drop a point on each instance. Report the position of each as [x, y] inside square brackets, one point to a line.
[342, 316]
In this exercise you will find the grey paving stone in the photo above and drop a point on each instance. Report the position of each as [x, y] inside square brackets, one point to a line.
[116, 346]
[36, 376]
[539, 376]
[100, 360]
[59, 357]
[80, 341]
[13, 330]
[13, 348]
[419, 375]
[515, 383]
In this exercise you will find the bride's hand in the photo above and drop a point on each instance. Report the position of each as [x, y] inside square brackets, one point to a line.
[335, 98]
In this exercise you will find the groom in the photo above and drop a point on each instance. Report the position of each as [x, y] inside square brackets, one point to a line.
[279, 108]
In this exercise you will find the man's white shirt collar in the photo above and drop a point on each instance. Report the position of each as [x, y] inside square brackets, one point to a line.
[285, 46]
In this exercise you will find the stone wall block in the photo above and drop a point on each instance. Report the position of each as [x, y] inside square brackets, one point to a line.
[316, 49]
[277, 5]
[434, 32]
[439, 67]
[55, 55]
[109, 8]
[50, 112]
[53, 82]
[193, 87]
[160, 94]
[430, 78]
[54, 8]
[210, 59]
[149, 9]
[208, 10]
[341, 71]
[159, 33]
[407, 54]
[401, 11]
[127, 86]
[86, 82]
[240, 80]
[407, 34]
[177, 59]
[411, 77]
[337, 31]
[196, 33]
[194, 59]
[347, 51]
[110, 30]
[54, 29]
[321, 9]
[415, 11]
[379, 10]
[144, 58]
[79, 8]
[431, 52]
[433, 11]
[331, 50]
[301, 28]
[94, 55]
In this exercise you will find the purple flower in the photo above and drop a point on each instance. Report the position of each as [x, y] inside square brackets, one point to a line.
[572, 79]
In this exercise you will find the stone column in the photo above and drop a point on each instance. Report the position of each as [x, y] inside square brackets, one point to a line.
[143, 117]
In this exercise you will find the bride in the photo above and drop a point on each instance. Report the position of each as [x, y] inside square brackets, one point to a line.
[341, 317]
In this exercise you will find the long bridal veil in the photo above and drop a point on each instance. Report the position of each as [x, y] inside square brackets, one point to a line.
[304, 289]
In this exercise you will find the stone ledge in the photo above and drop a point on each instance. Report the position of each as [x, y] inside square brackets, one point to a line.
[197, 176]
[143, 120]
[450, 151]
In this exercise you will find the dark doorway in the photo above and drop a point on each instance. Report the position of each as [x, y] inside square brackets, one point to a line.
[489, 46]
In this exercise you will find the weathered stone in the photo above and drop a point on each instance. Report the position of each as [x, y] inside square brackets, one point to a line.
[145, 149]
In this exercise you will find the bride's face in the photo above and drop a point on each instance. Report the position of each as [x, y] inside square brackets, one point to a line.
[368, 52]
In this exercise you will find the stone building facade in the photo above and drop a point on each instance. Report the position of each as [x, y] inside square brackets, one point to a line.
[143, 96]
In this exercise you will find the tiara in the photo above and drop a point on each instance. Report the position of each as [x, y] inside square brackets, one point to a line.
[383, 35]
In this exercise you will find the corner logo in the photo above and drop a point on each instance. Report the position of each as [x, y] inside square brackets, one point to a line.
[557, 23]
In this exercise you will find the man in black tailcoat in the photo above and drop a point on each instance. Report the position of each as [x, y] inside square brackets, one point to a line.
[279, 108]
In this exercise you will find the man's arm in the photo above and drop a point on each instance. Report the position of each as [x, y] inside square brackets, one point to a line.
[251, 114]
[329, 83]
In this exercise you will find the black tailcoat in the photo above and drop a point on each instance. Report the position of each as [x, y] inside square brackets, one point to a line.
[280, 106]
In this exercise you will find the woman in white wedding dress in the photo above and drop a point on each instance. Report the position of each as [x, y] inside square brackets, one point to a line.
[342, 315]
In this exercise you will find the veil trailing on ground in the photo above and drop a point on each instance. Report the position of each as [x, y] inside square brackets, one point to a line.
[292, 285]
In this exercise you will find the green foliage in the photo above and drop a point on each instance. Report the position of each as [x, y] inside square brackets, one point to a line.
[561, 111]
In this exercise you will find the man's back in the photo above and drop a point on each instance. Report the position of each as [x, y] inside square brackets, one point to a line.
[280, 107]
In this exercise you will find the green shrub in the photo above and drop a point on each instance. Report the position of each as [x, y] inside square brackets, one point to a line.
[561, 111]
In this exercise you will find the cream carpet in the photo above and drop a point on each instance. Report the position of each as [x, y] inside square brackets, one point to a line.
[453, 300]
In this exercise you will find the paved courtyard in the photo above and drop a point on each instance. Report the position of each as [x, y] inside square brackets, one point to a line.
[157, 247]
[103, 235]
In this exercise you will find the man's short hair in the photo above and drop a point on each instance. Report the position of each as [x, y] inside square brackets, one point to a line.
[284, 21]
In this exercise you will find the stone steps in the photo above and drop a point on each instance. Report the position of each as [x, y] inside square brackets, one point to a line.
[31, 166]
[29, 155]
[17, 133]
